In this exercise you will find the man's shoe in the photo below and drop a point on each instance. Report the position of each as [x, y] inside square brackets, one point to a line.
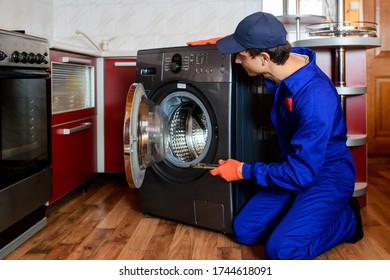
[359, 233]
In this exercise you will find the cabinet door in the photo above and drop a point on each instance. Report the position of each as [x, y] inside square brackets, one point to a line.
[378, 81]
[74, 155]
[119, 74]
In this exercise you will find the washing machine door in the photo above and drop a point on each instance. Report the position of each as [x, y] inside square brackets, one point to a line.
[145, 135]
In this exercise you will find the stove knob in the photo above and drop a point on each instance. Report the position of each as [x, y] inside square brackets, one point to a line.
[24, 57]
[30, 58]
[39, 58]
[16, 57]
[2, 55]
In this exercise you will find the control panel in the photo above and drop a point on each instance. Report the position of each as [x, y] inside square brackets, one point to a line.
[201, 66]
[21, 50]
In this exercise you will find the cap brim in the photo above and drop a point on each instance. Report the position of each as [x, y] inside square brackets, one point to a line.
[229, 45]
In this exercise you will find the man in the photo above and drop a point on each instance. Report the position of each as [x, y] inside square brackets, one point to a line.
[305, 206]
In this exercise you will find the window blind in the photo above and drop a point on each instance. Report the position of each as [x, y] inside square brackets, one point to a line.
[72, 87]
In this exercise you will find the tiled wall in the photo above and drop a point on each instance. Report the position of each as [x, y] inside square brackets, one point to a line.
[35, 17]
[127, 24]
[136, 24]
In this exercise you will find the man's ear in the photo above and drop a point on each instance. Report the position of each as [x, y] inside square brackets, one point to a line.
[265, 57]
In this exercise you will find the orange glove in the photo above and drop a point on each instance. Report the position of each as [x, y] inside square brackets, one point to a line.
[211, 41]
[230, 170]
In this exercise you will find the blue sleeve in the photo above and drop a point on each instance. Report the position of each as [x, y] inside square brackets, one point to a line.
[316, 110]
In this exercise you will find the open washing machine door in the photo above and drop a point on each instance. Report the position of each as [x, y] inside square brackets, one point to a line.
[145, 135]
[173, 136]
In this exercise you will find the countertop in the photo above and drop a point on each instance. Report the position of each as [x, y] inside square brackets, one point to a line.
[91, 52]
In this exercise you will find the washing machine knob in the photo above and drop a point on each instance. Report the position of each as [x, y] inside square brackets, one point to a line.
[176, 63]
[175, 68]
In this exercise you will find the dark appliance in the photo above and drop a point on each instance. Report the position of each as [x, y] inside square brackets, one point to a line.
[193, 105]
[25, 159]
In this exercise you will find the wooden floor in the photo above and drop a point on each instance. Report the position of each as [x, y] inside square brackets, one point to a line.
[104, 223]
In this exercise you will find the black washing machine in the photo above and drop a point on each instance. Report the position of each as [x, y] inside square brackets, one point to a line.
[191, 106]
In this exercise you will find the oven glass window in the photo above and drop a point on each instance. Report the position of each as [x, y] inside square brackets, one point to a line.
[24, 139]
[72, 87]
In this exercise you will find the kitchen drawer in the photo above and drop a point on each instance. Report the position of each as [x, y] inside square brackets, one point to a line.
[73, 154]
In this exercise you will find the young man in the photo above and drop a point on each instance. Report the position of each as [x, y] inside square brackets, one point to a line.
[305, 206]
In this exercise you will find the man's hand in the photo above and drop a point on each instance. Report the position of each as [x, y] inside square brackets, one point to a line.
[230, 170]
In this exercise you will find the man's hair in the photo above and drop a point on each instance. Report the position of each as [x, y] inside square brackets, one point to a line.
[278, 55]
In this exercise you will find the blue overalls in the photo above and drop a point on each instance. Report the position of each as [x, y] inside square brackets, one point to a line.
[303, 209]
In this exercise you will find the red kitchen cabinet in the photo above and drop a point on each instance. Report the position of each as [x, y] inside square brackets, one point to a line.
[74, 121]
[119, 74]
[74, 155]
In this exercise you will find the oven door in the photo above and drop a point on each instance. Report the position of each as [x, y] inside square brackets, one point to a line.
[145, 135]
[24, 111]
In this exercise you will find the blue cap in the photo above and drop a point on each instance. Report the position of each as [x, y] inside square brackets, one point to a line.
[257, 31]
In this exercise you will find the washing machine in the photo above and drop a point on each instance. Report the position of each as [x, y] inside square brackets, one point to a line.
[189, 107]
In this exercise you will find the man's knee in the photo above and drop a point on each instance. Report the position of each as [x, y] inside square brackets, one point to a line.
[246, 233]
[285, 249]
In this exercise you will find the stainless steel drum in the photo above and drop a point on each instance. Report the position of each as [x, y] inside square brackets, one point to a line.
[150, 138]
[189, 128]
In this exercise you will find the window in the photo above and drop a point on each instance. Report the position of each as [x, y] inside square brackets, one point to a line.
[289, 7]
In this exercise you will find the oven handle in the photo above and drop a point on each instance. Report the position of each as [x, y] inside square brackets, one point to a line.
[84, 126]
[24, 74]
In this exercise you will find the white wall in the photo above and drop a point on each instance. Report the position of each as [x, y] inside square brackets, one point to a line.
[137, 24]
[34, 16]
[128, 24]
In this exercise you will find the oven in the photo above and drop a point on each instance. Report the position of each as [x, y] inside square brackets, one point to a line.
[25, 158]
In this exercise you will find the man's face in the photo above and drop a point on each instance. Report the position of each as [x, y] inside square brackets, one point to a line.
[253, 66]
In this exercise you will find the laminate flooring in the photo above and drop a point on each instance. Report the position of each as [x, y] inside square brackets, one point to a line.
[104, 223]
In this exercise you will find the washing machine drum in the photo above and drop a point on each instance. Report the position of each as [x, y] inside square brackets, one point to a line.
[178, 131]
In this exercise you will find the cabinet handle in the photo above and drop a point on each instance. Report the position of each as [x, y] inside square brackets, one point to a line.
[75, 129]
[125, 64]
[76, 60]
